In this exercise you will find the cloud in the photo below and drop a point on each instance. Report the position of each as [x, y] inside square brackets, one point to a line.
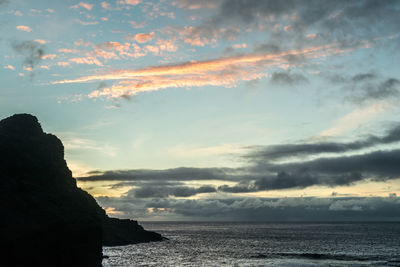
[263, 172]
[277, 152]
[143, 37]
[225, 71]
[23, 28]
[86, 23]
[167, 191]
[262, 209]
[31, 50]
[129, 2]
[106, 5]
[333, 171]
[84, 5]
[86, 60]
[10, 67]
[40, 41]
[367, 87]
[177, 174]
[366, 90]
[68, 50]
[288, 78]
[343, 21]
[196, 4]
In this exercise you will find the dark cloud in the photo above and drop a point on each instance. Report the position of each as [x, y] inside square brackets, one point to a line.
[263, 209]
[3, 2]
[363, 91]
[33, 52]
[342, 23]
[177, 174]
[166, 191]
[264, 172]
[342, 20]
[333, 171]
[365, 87]
[277, 152]
[363, 77]
[267, 48]
[263, 175]
[287, 78]
[197, 4]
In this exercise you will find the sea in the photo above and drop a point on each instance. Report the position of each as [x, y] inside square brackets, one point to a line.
[263, 244]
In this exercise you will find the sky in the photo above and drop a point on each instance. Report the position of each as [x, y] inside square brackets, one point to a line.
[215, 109]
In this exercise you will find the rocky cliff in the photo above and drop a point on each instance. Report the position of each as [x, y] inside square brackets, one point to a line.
[45, 219]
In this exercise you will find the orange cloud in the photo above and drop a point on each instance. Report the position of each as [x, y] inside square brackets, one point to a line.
[63, 64]
[105, 5]
[123, 50]
[86, 60]
[226, 71]
[10, 67]
[50, 56]
[129, 2]
[167, 45]
[196, 36]
[154, 83]
[237, 46]
[143, 37]
[24, 28]
[84, 5]
[67, 50]
[153, 49]
[40, 41]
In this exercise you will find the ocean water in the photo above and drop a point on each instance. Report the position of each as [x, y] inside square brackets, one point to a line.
[263, 244]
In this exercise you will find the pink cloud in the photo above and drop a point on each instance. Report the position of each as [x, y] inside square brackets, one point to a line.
[24, 28]
[63, 64]
[67, 50]
[106, 5]
[123, 49]
[86, 60]
[152, 49]
[50, 56]
[137, 25]
[167, 45]
[129, 2]
[10, 67]
[105, 54]
[86, 23]
[40, 41]
[143, 37]
[84, 5]
[237, 46]
[225, 71]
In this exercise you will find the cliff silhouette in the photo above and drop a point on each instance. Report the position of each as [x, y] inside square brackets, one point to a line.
[46, 220]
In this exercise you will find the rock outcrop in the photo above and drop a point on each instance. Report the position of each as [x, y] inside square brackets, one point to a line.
[45, 219]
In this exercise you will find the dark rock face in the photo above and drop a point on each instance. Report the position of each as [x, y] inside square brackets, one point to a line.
[45, 219]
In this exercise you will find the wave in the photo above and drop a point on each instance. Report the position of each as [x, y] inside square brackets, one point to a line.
[322, 256]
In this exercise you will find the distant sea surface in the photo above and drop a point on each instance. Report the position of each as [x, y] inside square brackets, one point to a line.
[263, 244]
